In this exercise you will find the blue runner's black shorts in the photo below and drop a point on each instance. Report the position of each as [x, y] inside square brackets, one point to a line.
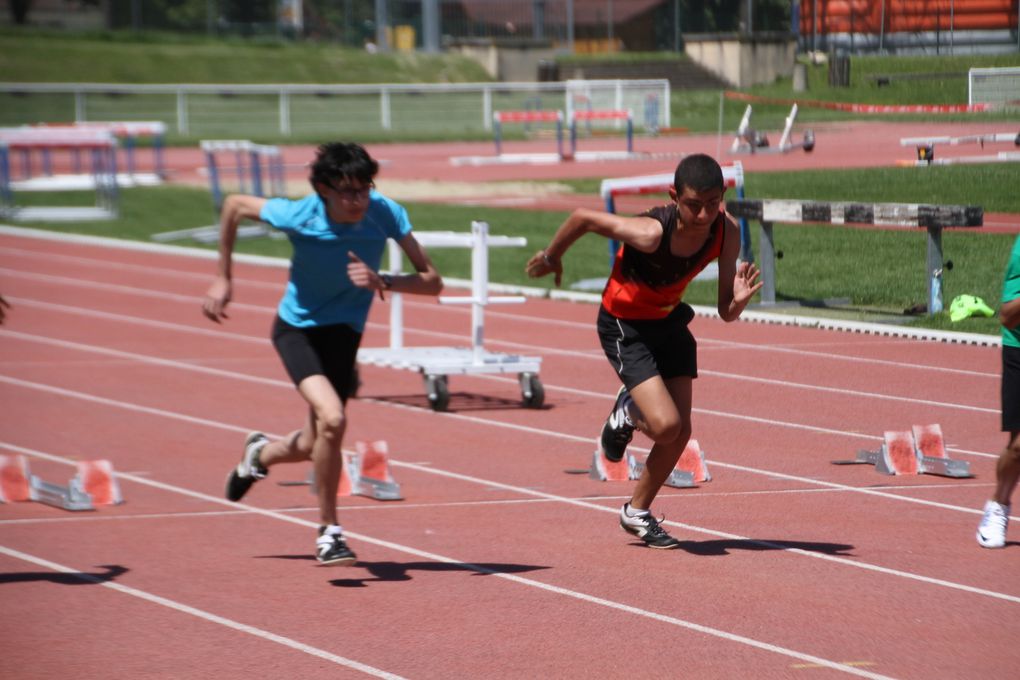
[1010, 389]
[641, 349]
[329, 351]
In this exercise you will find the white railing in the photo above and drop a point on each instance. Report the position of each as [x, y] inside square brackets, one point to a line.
[286, 110]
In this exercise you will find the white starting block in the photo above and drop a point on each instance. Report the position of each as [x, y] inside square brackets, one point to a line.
[918, 451]
[436, 363]
[690, 470]
[749, 140]
[94, 484]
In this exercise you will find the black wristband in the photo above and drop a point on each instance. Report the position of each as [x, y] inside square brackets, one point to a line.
[387, 281]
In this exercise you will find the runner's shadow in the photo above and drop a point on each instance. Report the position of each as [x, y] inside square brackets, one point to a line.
[724, 546]
[459, 401]
[66, 579]
[399, 571]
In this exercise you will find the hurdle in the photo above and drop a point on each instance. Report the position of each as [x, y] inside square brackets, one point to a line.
[926, 148]
[436, 363]
[258, 169]
[611, 189]
[127, 133]
[588, 116]
[934, 218]
[28, 142]
[749, 140]
[526, 117]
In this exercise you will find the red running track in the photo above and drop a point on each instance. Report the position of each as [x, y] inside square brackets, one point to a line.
[498, 563]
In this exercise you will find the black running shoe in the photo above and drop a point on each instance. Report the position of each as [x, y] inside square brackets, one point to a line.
[249, 470]
[331, 550]
[647, 528]
[617, 430]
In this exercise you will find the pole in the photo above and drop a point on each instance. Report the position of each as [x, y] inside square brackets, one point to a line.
[814, 26]
[381, 23]
[570, 26]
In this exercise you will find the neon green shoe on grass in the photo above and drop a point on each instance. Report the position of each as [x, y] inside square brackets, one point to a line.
[964, 306]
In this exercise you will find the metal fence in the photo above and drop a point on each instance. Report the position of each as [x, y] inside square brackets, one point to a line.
[281, 111]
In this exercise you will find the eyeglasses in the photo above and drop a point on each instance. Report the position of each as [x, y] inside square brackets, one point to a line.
[350, 194]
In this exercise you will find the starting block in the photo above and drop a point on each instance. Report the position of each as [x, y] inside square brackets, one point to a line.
[749, 140]
[918, 451]
[365, 472]
[94, 484]
[690, 470]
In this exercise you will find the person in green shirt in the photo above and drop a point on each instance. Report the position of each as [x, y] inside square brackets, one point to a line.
[992, 530]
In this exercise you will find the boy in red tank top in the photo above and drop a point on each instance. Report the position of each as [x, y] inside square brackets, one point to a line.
[642, 321]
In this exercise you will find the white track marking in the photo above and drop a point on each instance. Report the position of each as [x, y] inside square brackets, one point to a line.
[531, 492]
[201, 614]
[529, 348]
[520, 580]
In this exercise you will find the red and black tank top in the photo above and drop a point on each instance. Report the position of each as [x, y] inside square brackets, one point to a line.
[651, 285]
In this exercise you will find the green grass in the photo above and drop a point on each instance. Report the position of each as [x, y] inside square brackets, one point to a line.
[882, 272]
[31, 56]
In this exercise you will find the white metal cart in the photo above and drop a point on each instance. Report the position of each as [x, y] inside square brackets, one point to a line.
[436, 363]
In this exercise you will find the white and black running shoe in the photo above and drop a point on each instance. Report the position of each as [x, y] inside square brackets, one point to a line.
[991, 532]
[618, 429]
[249, 470]
[330, 548]
[647, 528]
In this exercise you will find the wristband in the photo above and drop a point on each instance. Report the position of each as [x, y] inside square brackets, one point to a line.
[387, 281]
[549, 262]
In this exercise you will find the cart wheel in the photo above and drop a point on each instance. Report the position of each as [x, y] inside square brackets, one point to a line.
[809, 141]
[438, 392]
[532, 390]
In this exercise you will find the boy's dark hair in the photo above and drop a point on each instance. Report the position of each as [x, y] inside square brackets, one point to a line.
[343, 160]
[700, 172]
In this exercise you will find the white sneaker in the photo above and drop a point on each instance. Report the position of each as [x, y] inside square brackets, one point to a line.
[991, 532]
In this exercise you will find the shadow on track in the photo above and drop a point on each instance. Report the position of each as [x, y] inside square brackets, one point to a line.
[72, 579]
[399, 571]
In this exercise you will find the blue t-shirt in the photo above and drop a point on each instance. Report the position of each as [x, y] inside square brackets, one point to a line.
[1011, 291]
[319, 293]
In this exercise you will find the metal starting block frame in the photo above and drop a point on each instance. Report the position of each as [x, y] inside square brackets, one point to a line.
[366, 472]
[72, 497]
[749, 140]
[436, 363]
[94, 484]
[918, 451]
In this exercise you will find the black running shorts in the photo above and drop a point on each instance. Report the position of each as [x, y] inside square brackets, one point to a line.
[329, 351]
[1010, 389]
[641, 349]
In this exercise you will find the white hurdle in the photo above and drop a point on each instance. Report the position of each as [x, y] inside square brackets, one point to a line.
[436, 363]
[101, 146]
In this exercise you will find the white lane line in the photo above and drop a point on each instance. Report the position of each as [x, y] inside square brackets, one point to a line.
[533, 493]
[524, 347]
[281, 383]
[520, 580]
[201, 614]
[531, 320]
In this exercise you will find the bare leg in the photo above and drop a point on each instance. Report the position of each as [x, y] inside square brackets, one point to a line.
[320, 440]
[1007, 470]
[663, 412]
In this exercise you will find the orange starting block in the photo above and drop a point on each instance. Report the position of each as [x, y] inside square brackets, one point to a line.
[94, 484]
[690, 470]
[921, 450]
[365, 472]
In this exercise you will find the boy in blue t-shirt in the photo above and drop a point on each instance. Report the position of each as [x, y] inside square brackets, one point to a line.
[338, 235]
[992, 530]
